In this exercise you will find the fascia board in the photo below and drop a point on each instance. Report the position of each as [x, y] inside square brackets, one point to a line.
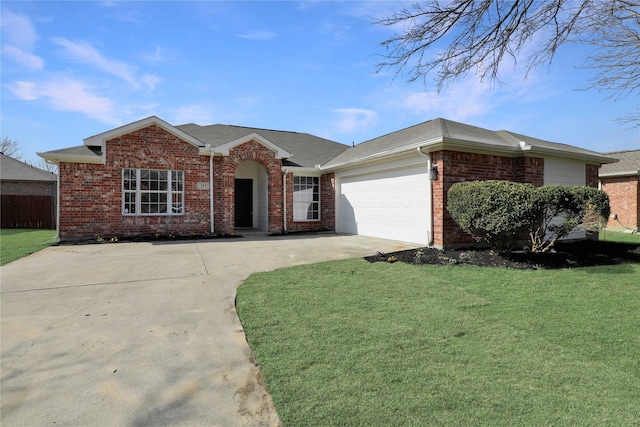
[380, 155]
[296, 170]
[72, 158]
[619, 174]
[590, 158]
[280, 153]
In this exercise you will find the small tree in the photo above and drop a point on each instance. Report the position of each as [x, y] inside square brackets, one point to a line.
[10, 148]
[555, 216]
[494, 212]
[559, 211]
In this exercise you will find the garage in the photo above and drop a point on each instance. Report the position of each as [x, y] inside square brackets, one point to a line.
[389, 204]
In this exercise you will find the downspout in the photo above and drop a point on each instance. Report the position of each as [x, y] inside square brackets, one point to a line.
[284, 199]
[211, 210]
[57, 200]
[430, 173]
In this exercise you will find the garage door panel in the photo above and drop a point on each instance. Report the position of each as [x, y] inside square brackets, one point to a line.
[390, 204]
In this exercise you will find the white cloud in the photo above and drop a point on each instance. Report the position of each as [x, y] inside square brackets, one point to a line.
[27, 60]
[151, 81]
[258, 35]
[354, 119]
[64, 94]
[19, 37]
[155, 57]
[24, 90]
[87, 54]
[18, 30]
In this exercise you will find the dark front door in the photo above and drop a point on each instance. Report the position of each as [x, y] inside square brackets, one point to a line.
[244, 203]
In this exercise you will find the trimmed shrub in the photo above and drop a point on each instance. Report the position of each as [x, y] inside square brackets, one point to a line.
[498, 213]
[503, 213]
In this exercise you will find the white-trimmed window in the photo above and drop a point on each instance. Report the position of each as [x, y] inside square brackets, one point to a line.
[152, 192]
[306, 198]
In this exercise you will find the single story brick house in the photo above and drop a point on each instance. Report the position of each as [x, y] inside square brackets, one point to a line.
[621, 181]
[153, 177]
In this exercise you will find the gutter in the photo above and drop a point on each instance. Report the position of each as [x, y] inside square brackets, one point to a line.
[285, 172]
[619, 174]
[211, 206]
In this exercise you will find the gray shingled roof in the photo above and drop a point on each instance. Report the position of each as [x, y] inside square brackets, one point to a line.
[629, 164]
[440, 131]
[15, 170]
[307, 150]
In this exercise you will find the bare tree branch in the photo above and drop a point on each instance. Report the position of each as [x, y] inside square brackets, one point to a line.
[451, 38]
[10, 148]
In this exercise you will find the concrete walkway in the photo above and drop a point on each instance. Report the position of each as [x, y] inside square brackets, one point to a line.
[142, 334]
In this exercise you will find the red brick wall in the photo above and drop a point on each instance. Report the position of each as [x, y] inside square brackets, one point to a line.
[327, 206]
[454, 166]
[624, 198]
[591, 178]
[91, 194]
[529, 170]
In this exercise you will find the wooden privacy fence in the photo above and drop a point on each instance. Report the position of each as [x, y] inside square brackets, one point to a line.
[22, 211]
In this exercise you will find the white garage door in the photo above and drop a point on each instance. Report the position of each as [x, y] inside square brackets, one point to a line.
[391, 204]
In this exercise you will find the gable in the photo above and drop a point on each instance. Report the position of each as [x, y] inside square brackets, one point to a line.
[278, 151]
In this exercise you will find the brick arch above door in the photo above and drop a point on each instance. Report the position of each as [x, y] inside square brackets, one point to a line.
[224, 184]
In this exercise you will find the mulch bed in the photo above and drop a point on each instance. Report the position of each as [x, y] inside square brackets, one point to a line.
[565, 255]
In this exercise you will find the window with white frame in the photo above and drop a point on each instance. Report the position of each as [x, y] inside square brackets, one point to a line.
[152, 192]
[306, 198]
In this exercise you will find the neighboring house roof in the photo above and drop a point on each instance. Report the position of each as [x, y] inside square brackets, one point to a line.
[305, 150]
[14, 170]
[441, 134]
[629, 164]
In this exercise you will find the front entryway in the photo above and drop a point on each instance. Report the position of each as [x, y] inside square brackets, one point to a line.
[244, 203]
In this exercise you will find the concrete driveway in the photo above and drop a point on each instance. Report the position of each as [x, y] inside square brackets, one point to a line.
[142, 334]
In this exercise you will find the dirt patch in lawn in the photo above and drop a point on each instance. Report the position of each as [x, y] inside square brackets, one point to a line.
[566, 255]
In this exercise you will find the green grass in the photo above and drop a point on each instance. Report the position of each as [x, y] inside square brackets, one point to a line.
[349, 343]
[616, 236]
[15, 243]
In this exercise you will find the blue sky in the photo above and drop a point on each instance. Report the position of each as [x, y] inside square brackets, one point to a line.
[71, 70]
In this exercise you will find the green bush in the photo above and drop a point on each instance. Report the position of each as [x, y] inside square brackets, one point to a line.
[562, 210]
[503, 213]
[494, 212]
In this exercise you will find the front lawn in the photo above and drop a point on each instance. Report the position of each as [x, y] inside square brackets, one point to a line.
[16, 243]
[353, 343]
[617, 236]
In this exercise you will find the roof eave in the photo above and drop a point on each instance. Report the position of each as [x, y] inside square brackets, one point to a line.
[619, 174]
[589, 157]
[380, 155]
[57, 158]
